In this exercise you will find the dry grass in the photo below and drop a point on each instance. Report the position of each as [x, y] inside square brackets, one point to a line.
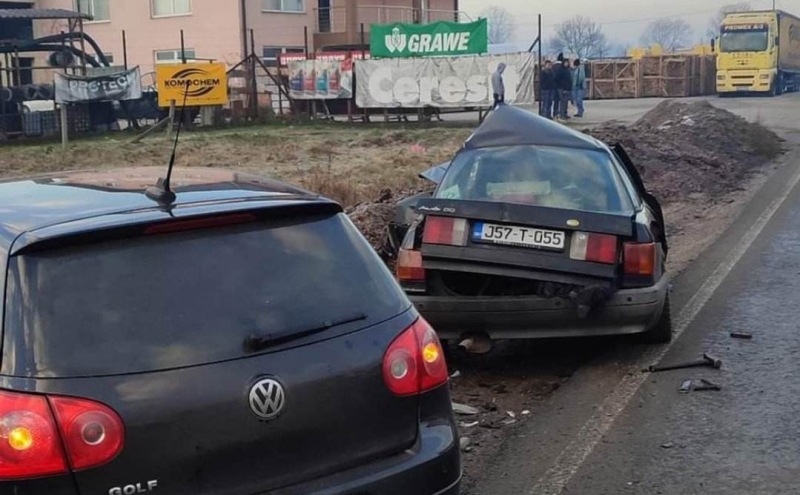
[350, 163]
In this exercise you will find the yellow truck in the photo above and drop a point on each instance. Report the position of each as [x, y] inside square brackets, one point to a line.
[759, 52]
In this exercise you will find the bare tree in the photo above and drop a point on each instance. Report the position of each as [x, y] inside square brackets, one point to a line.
[501, 26]
[671, 34]
[581, 37]
[715, 22]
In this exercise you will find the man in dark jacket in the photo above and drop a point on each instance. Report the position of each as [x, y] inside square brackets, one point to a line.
[548, 90]
[563, 81]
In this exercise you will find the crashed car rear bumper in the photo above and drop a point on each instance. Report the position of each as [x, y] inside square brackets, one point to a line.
[628, 311]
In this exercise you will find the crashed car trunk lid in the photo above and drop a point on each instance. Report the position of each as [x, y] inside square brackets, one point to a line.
[618, 224]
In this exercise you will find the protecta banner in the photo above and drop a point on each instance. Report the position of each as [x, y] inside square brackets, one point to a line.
[322, 79]
[125, 85]
[425, 40]
[453, 82]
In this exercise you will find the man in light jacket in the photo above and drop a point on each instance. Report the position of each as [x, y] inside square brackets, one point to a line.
[578, 86]
[498, 87]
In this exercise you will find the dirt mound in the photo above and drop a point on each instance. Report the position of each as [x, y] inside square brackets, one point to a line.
[683, 149]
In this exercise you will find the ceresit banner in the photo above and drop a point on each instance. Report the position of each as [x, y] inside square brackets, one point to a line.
[197, 84]
[321, 79]
[453, 82]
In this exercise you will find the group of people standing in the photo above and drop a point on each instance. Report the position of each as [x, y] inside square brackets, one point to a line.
[563, 82]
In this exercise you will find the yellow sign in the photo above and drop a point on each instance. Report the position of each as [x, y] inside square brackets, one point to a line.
[196, 84]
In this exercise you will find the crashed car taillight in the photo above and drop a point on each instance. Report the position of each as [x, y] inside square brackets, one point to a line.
[445, 230]
[410, 273]
[640, 259]
[598, 248]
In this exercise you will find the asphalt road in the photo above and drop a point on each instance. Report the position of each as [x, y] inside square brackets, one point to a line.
[612, 429]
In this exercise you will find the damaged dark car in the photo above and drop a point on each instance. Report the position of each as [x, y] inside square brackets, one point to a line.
[536, 231]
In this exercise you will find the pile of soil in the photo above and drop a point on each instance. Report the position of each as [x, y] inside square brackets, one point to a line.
[682, 149]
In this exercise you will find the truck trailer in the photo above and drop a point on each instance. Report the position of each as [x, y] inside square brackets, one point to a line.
[759, 52]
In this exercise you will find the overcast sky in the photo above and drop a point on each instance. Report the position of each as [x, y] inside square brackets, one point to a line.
[623, 20]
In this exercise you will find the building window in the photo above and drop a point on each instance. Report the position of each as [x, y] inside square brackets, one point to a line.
[271, 54]
[174, 56]
[283, 6]
[171, 7]
[98, 9]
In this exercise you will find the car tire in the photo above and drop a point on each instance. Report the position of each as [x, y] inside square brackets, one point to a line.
[661, 333]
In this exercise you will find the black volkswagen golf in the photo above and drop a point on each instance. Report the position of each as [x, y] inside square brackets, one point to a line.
[242, 339]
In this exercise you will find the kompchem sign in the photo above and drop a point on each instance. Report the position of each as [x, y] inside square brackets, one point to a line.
[454, 82]
[424, 40]
[195, 84]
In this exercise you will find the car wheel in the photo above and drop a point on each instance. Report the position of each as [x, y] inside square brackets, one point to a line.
[661, 333]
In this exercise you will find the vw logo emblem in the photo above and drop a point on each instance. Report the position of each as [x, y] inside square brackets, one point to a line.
[267, 399]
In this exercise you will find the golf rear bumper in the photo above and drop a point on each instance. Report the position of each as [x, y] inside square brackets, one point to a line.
[432, 466]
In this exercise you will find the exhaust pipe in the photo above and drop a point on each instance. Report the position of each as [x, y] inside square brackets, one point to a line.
[475, 343]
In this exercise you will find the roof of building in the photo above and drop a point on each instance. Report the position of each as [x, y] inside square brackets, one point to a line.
[510, 126]
[42, 14]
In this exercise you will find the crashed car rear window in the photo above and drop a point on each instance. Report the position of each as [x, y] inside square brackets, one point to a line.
[555, 177]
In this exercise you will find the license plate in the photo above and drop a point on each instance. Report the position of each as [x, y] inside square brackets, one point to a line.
[518, 236]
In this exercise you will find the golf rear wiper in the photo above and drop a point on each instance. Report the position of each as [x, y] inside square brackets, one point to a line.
[256, 343]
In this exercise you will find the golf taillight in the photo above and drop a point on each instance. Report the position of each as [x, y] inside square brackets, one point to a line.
[93, 433]
[414, 363]
[409, 266]
[33, 440]
[640, 259]
[29, 442]
[598, 248]
[445, 230]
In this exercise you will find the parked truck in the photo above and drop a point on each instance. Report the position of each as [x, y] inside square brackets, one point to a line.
[759, 52]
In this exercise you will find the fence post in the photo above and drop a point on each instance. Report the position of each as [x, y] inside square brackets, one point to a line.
[64, 126]
[254, 82]
[125, 49]
[183, 49]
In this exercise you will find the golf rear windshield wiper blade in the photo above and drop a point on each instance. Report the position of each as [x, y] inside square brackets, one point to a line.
[256, 343]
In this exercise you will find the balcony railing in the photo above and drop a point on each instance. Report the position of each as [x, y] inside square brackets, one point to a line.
[340, 20]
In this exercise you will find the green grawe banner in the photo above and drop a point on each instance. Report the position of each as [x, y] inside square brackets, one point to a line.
[424, 40]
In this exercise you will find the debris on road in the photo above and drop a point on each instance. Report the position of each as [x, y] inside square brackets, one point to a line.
[511, 414]
[455, 374]
[468, 425]
[509, 422]
[464, 409]
[667, 445]
[525, 412]
[707, 385]
[698, 385]
[741, 335]
[465, 444]
[707, 361]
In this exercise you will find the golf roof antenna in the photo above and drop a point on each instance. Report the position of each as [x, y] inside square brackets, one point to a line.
[162, 192]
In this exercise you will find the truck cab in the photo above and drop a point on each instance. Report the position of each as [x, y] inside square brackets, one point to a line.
[759, 52]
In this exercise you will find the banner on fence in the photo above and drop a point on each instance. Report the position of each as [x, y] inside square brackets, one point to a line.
[124, 85]
[286, 58]
[197, 84]
[424, 40]
[454, 82]
[321, 79]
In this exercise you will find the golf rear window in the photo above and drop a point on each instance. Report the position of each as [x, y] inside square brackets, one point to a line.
[181, 299]
[566, 178]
